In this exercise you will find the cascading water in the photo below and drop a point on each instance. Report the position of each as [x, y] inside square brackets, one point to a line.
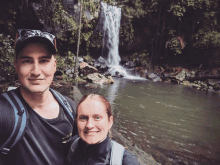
[111, 24]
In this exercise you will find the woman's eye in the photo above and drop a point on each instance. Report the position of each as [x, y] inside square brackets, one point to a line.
[82, 118]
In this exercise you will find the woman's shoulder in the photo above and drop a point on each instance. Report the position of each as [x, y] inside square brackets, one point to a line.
[129, 158]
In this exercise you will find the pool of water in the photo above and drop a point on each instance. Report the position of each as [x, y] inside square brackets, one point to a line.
[176, 124]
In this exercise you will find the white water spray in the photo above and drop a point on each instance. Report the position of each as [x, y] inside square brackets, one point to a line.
[112, 18]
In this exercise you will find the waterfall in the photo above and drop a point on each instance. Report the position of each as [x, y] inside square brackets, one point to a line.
[111, 17]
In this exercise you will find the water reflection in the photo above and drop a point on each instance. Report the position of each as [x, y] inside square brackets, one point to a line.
[178, 125]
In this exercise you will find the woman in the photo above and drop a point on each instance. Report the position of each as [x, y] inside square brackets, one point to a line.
[94, 147]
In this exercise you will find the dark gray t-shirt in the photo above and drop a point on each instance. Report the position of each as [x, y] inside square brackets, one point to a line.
[45, 141]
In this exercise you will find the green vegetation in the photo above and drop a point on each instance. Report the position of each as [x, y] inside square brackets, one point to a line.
[155, 31]
[7, 54]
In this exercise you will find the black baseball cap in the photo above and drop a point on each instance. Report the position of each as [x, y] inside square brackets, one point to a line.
[26, 36]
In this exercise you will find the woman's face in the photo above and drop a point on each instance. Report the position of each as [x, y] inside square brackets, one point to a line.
[92, 120]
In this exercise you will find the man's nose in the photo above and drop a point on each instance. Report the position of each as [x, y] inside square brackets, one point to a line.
[36, 71]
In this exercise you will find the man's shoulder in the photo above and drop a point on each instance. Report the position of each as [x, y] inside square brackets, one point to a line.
[71, 102]
[6, 119]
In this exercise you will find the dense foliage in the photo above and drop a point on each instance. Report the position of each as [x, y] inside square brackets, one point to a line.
[153, 31]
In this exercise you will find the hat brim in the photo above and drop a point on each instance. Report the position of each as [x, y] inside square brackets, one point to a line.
[38, 39]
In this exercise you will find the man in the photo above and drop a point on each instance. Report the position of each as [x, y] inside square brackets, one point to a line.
[49, 129]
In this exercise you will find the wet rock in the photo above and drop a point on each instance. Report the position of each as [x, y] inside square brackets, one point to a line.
[101, 65]
[118, 74]
[68, 71]
[156, 79]
[85, 69]
[101, 60]
[129, 64]
[76, 94]
[107, 74]
[182, 75]
[140, 71]
[212, 82]
[91, 86]
[97, 78]
[80, 59]
[110, 79]
[138, 62]
[153, 77]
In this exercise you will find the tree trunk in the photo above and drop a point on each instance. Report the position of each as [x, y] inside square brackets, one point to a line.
[158, 28]
[161, 40]
[77, 53]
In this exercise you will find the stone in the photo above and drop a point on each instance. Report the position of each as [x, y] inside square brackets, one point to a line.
[110, 79]
[151, 76]
[156, 79]
[97, 78]
[83, 65]
[76, 94]
[101, 60]
[187, 83]
[68, 71]
[129, 64]
[80, 59]
[182, 75]
[86, 69]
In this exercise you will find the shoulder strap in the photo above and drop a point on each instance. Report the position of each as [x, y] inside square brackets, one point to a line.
[72, 150]
[19, 124]
[117, 153]
[61, 99]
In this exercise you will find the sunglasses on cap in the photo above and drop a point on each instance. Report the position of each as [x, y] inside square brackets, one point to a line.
[25, 36]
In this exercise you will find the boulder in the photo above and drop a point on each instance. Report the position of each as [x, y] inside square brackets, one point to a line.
[140, 71]
[80, 59]
[97, 78]
[101, 60]
[212, 82]
[186, 83]
[101, 65]
[153, 77]
[86, 69]
[117, 74]
[110, 79]
[129, 64]
[76, 94]
[182, 75]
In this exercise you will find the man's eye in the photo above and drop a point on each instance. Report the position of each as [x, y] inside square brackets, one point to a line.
[26, 61]
[44, 61]
[97, 117]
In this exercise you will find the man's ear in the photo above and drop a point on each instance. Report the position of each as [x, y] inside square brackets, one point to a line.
[55, 62]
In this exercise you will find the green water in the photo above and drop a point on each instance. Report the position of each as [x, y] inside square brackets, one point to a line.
[176, 124]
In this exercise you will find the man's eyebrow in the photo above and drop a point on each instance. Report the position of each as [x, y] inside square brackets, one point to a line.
[49, 57]
[24, 57]
[28, 57]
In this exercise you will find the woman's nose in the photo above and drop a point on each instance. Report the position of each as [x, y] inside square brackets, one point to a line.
[89, 124]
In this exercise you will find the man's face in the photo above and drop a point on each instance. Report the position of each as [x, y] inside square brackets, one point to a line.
[35, 68]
